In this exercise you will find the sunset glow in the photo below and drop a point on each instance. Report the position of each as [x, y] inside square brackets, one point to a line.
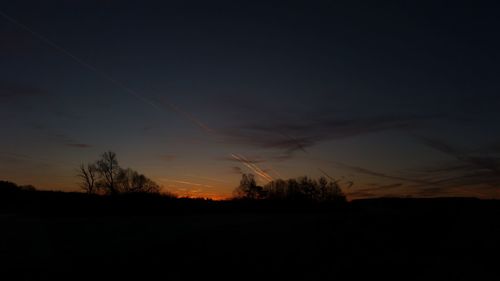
[195, 96]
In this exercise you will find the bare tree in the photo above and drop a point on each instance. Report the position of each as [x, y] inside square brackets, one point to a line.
[248, 188]
[108, 170]
[88, 175]
[300, 189]
[108, 176]
[130, 181]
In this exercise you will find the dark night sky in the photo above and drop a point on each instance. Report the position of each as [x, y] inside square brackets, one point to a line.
[401, 99]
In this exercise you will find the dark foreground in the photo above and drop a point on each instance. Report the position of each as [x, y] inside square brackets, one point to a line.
[408, 239]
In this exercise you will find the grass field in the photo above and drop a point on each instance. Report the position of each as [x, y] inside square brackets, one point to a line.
[416, 240]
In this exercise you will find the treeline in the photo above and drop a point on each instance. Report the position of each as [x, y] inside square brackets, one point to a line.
[296, 195]
[105, 176]
[19, 199]
[303, 189]
[7, 187]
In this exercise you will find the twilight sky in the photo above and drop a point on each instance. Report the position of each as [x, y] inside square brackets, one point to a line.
[391, 98]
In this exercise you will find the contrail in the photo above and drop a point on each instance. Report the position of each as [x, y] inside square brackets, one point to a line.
[185, 114]
[156, 103]
[248, 166]
[349, 183]
[327, 175]
[257, 168]
[105, 76]
[189, 183]
[252, 167]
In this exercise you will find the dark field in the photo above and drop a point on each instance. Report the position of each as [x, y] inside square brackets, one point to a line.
[410, 239]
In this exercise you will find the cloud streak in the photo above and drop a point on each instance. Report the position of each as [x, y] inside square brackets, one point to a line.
[289, 137]
[469, 161]
[465, 169]
[252, 160]
[68, 141]
[364, 171]
[253, 167]
[185, 182]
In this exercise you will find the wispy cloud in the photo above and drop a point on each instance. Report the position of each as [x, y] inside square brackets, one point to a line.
[376, 191]
[486, 162]
[465, 168]
[58, 136]
[456, 178]
[469, 172]
[69, 141]
[289, 136]
[365, 171]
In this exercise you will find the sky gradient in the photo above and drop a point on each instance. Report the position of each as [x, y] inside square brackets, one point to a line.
[394, 99]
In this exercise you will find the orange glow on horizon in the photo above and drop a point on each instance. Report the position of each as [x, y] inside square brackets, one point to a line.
[203, 195]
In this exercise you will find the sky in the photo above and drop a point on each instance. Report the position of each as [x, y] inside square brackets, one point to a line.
[390, 98]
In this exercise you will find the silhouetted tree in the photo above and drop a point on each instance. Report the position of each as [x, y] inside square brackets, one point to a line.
[108, 170]
[293, 190]
[129, 181]
[8, 187]
[107, 175]
[308, 189]
[88, 175]
[248, 188]
[323, 187]
[332, 192]
[301, 189]
[276, 190]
